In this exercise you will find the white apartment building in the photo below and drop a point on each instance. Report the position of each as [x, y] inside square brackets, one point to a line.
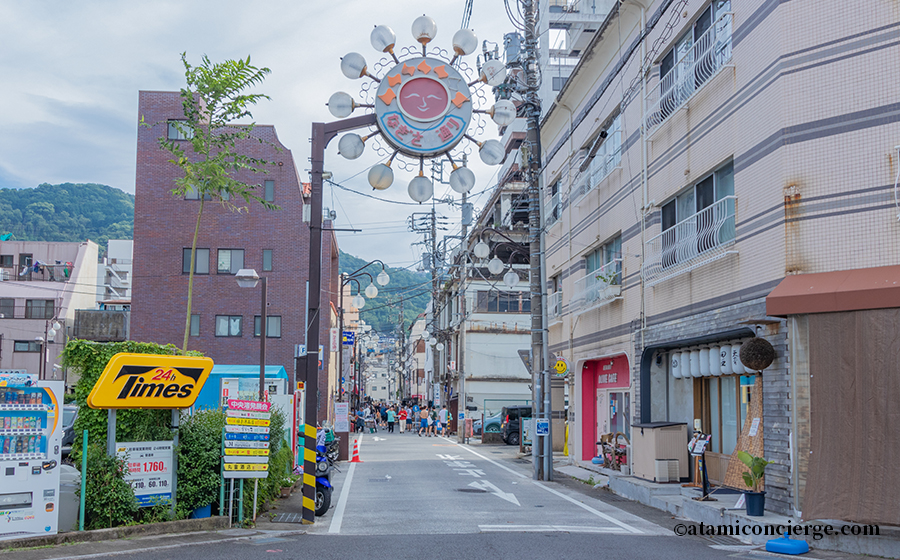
[744, 186]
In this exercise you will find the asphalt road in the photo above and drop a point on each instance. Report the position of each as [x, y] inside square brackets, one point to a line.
[423, 498]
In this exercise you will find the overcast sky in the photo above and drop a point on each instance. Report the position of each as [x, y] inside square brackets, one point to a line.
[71, 72]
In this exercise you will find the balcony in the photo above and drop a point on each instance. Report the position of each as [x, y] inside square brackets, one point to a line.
[554, 307]
[599, 287]
[702, 238]
[696, 66]
[552, 210]
[601, 166]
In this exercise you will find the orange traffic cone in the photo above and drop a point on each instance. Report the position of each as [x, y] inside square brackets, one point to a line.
[355, 458]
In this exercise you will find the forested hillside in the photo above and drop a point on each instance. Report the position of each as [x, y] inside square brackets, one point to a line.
[67, 212]
[383, 312]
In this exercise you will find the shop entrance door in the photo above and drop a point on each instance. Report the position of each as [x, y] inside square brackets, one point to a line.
[612, 412]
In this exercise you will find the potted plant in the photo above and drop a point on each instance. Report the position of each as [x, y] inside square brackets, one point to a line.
[756, 500]
[609, 288]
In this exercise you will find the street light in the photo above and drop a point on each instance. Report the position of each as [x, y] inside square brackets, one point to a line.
[248, 278]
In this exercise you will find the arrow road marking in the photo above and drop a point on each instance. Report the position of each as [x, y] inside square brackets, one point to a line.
[487, 486]
[376, 438]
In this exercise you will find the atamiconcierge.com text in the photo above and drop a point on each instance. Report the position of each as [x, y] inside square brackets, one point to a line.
[737, 529]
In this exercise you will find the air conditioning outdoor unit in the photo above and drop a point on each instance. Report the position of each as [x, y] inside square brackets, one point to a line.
[667, 470]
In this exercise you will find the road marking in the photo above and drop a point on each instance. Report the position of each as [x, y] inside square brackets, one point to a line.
[586, 507]
[545, 529]
[376, 438]
[487, 486]
[338, 518]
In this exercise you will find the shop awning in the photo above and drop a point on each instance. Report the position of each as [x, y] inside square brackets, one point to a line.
[843, 290]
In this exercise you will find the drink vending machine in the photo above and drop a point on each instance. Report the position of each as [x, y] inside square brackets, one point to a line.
[30, 437]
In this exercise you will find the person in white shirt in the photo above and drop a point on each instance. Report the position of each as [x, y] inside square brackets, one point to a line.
[442, 419]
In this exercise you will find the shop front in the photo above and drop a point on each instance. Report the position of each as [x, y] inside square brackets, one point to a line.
[606, 401]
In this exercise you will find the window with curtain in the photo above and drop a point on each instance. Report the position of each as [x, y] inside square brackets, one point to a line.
[228, 325]
[267, 260]
[201, 261]
[230, 261]
[39, 309]
[273, 326]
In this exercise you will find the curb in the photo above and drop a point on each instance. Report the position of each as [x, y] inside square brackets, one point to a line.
[166, 527]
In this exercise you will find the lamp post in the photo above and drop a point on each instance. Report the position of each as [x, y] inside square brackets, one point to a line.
[248, 278]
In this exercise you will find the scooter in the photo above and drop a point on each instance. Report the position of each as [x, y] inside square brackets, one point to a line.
[324, 464]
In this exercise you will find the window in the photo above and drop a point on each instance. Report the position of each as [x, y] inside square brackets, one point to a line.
[269, 191]
[606, 262]
[7, 308]
[559, 82]
[195, 325]
[724, 402]
[201, 263]
[606, 156]
[696, 57]
[273, 326]
[699, 218]
[552, 213]
[228, 325]
[25, 259]
[494, 301]
[267, 260]
[179, 130]
[39, 309]
[195, 195]
[558, 39]
[26, 346]
[6, 261]
[230, 261]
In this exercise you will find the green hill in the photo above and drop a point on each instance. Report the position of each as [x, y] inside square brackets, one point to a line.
[383, 312]
[67, 212]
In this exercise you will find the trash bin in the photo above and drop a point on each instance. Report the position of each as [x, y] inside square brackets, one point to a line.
[69, 501]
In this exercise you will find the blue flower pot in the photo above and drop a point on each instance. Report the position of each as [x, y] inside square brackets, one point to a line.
[756, 503]
[201, 512]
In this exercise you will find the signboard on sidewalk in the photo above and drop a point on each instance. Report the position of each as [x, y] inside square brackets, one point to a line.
[149, 470]
[246, 439]
[341, 417]
[333, 339]
[542, 427]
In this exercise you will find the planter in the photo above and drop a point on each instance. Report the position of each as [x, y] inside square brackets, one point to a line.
[611, 292]
[201, 512]
[286, 491]
[756, 503]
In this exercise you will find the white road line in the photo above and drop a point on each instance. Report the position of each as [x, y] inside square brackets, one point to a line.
[586, 507]
[338, 518]
[545, 529]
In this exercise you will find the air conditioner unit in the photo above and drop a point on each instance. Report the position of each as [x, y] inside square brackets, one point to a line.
[4, 276]
[667, 470]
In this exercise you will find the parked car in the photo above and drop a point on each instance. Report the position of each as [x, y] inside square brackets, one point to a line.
[70, 413]
[491, 424]
[509, 429]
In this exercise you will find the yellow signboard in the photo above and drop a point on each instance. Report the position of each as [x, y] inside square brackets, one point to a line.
[561, 366]
[233, 451]
[150, 381]
[246, 467]
[247, 422]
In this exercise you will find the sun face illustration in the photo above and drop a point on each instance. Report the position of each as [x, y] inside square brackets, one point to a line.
[424, 99]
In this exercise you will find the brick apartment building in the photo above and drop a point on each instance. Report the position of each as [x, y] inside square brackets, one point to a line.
[225, 318]
[748, 189]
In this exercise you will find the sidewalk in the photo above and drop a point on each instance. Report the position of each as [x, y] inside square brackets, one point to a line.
[679, 502]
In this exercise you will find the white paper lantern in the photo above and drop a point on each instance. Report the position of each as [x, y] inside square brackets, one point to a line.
[511, 279]
[424, 29]
[491, 152]
[695, 363]
[736, 365]
[493, 72]
[353, 65]
[464, 42]
[504, 112]
[704, 362]
[371, 291]
[381, 177]
[725, 359]
[481, 250]
[714, 360]
[383, 38]
[462, 180]
[675, 361]
[495, 266]
[420, 188]
[340, 104]
[351, 146]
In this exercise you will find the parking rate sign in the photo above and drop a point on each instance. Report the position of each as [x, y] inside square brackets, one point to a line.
[246, 439]
[149, 470]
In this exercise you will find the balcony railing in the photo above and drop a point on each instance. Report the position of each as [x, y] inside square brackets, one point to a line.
[702, 238]
[552, 210]
[709, 53]
[601, 166]
[600, 286]
[47, 273]
[554, 306]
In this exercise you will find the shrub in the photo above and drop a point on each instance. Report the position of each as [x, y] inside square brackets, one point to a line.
[199, 446]
[109, 499]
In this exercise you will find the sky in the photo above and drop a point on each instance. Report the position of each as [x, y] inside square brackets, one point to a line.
[72, 71]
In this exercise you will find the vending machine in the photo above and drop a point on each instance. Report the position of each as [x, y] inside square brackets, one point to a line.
[30, 439]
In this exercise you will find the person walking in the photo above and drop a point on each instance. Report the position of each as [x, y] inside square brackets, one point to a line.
[391, 417]
[402, 416]
[432, 421]
[443, 420]
[423, 421]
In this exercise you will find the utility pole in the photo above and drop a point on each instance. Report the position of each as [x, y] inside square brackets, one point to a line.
[542, 453]
[462, 411]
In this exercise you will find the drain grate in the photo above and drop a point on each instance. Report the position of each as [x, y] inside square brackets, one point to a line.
[288, 518]
[472, 490]
[721, 540]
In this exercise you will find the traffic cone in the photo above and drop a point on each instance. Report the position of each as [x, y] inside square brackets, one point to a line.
[355, 458]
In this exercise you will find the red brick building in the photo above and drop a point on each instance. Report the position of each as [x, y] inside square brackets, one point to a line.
[225, 318]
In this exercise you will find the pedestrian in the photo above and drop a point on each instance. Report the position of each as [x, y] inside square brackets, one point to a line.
[432, 421]
[423, 421]
[409, 418]
[402, 416]
[378, 417]
[443, 420]
[391, 416]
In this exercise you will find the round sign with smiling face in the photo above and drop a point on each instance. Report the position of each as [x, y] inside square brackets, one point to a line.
[423, 107]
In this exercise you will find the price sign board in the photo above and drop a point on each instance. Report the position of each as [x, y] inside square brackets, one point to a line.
[246, 439]
[149, 470]
[341, 417]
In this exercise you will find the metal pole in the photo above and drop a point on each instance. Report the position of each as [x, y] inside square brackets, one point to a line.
[255, 491]
[84, 454]
[241, 502]
[111, 432]
[231, 503]
[222, 474]
[176, 419]
[262, 343]
[461, 339]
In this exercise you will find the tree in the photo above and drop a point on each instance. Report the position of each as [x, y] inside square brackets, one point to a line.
[213, 100]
